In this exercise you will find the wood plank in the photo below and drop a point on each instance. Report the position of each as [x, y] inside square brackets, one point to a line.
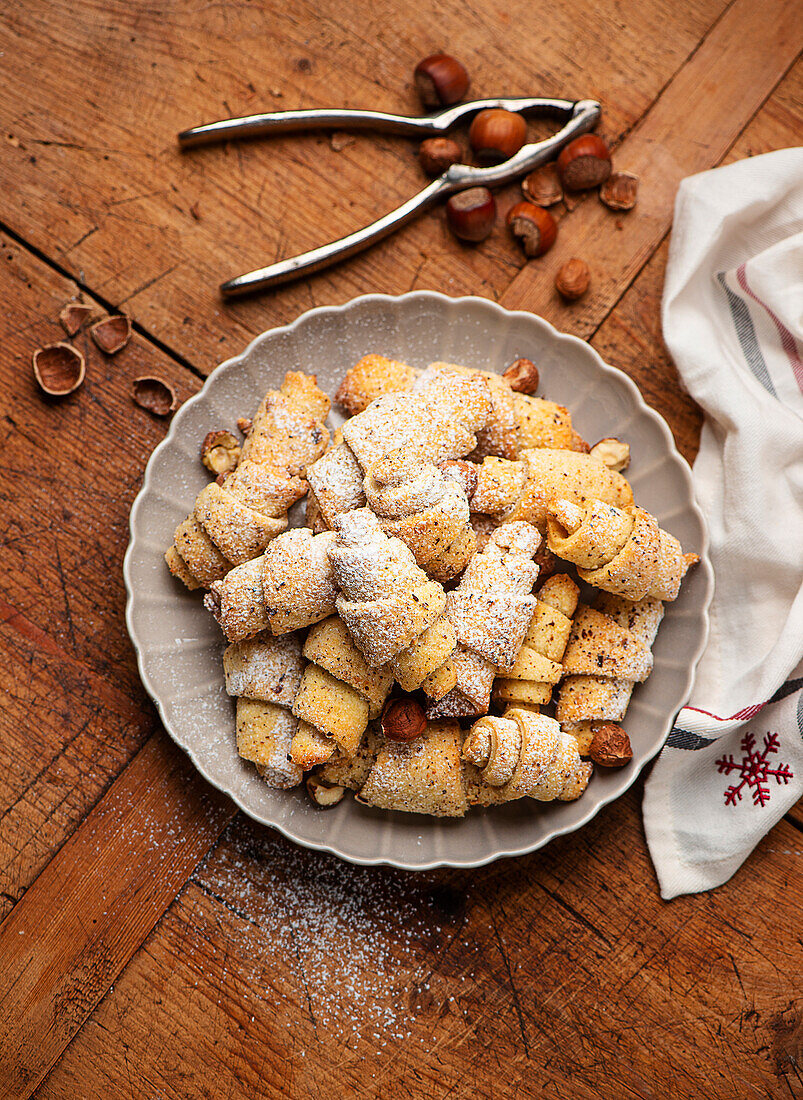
[286, 973]
[690, 128]
[74, 710]
[103, 188]
[95, 902]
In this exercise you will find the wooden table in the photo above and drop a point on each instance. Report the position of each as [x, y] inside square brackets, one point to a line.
[155, 943]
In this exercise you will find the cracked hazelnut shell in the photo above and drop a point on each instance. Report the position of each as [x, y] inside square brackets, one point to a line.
[111, 334]
[543, 186]
[534, 228]
[59, 369]
[620, 191]
[154, 395]
[73, 316]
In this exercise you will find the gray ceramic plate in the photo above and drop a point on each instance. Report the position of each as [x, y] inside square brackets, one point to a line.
[179, 646]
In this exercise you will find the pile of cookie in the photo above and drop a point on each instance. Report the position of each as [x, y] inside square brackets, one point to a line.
[404, 642]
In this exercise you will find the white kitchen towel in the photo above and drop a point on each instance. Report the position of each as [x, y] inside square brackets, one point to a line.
[733, 321]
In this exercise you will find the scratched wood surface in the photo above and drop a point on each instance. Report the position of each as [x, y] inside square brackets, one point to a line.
[155, 944]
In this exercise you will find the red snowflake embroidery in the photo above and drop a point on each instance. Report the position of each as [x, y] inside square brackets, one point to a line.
[754, 770]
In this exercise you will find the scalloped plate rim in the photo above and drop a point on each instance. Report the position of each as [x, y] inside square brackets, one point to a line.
[561, 337]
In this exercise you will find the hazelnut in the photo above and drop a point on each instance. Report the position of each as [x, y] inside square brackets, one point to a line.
[546, 561]
[612, 453]
[610, 746]
[112, 333]
[220, 452]
[244, 425]
[522, 376]
[462, 472]
[436, 155]
[543, 186]
[324, 794]
[440, 81]
[572, 279]
[584, 162]
[73, 316]
[496, 134]
[471, 214]
[59, 369]
[534, 227]
[619, 191]
[403, 719]
[154, 395]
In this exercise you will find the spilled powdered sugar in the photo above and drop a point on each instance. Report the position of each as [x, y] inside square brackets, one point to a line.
[357, 941]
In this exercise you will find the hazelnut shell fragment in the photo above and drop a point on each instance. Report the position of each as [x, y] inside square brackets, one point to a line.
[543, 186]
[220, 452]
[154, 395]
[572, 279]
[440, 81]
[73, 315]
[533, 226]
[612, 453]
[111, 334]
[244, 425]
[522, 376]
[620, 191]
[325, 795]
[403, 719]
[610, 746]
[59, 369]
[496, 134]
[584, 162]
[437, 155]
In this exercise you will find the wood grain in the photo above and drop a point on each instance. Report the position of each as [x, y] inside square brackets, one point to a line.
[95, 903]
[285, 973]
[111, 198]
[74, 710]
[278, 972]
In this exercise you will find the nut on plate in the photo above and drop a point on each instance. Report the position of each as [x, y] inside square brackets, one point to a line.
[323, 794]
[220, 452]
[543, 186]
[522, 376]
[244, 425]
[59, 369]
[610, 746]
[572, 279]
[462, 472]
[612, 453]
[111, 334]
[620, 191]
[403, 719]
